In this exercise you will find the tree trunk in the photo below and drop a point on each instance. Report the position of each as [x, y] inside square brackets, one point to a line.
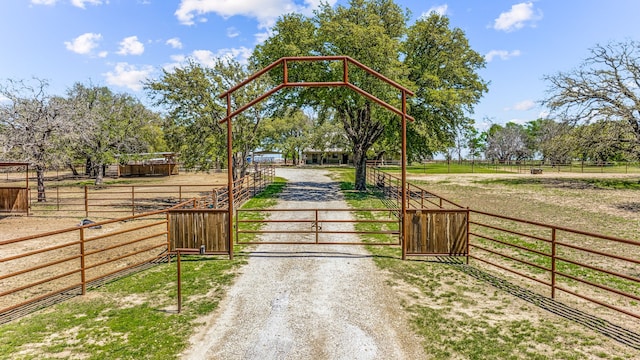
[99, 174]
[360, 162]
[88, 167]
[73, 169]
[40, 175]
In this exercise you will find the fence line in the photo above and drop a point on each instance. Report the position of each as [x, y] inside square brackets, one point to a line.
[603, 270]
[66, 262]
[124, 200]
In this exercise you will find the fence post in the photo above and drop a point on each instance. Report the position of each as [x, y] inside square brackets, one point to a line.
[553, 263]
[179, 283]
[133, 200]
[57, 198]
[168, 239]
[468, 236]
[237, 226]
[317, 226]
[86, 202]
[83, 276]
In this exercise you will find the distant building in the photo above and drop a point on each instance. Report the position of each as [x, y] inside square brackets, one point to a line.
[327, 157]
[150, 164]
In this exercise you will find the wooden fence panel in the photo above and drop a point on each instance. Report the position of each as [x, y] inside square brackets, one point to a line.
[192, 228]
[436, 232]
[14, 200]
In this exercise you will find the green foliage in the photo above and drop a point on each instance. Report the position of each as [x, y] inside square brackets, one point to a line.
[109, 124]
[375, 33]
[190, 94]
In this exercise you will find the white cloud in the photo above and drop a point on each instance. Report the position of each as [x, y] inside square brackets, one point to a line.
[261, 37]
[517, 17]
[130, 76]
[84, 43]
[502, 54]
[524, 105]
[177, 61]
[204, 57]
[439, 9]
[103, 54]
[131, 46]
[543, 114]
[207, 57]
[241, 54]
[44, 2]
[232, 32]
[174, 43]
[81, 3]
[265, 11]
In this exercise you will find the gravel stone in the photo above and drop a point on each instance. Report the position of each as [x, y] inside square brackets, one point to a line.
[308, 301]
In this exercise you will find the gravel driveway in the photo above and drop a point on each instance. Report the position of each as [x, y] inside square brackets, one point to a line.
[308, 301]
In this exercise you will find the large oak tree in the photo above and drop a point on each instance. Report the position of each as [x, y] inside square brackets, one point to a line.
[428, 57]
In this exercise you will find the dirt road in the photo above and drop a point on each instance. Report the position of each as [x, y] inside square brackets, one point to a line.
[308, 301]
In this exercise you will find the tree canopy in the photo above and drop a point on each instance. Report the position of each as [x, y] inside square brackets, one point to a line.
[605, 87]
[427, 56]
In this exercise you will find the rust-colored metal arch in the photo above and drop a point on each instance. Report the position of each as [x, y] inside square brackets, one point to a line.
[284, 62]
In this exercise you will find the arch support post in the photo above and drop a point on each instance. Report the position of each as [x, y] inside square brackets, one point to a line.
[230, 175]
[403, 214]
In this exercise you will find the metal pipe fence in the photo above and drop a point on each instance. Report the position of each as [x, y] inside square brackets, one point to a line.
[317, 223]
[34, 268]
[599, 269]
[124, 200]
[42, 269]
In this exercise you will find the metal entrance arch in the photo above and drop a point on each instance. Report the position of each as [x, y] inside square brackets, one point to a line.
[346, 61]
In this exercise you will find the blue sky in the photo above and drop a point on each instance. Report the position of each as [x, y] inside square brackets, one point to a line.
[118, 43]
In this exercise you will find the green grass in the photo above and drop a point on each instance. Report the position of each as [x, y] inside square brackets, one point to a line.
[443, 168]
[134, 317]
[457, 316]
[592, 183]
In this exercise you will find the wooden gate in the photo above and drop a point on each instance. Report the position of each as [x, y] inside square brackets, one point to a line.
[437, 232]
[14, 200]
[205, 230]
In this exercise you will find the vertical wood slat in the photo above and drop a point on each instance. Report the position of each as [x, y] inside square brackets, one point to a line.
[194, 228]
[14, 200]
[436, 232]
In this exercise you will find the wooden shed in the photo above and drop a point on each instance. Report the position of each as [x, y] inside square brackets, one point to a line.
[152, 164]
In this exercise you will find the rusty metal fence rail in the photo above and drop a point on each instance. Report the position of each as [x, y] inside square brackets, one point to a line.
[604, 270]
[66, 262]
[42, 269]
[417, 197]
[124, 200]
[314, 226]
[598, 269]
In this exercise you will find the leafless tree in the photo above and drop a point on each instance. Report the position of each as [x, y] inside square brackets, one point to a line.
[606, 86]
[33, 126]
